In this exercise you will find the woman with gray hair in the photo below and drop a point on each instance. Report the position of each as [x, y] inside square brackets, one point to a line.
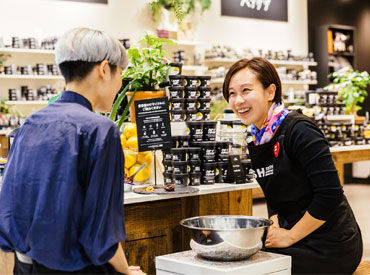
[61, 203]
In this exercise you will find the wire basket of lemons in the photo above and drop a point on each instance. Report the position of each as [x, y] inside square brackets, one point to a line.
[134, 159]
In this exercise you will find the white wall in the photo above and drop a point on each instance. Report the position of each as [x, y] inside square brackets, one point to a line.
[127, 18]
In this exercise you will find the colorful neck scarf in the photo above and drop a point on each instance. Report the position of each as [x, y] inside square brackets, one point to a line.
[274, 118]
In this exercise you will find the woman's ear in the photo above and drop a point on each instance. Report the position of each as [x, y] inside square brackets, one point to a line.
[271, 92]
[104, 70]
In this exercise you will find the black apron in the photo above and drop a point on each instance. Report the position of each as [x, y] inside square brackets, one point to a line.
[335, 247]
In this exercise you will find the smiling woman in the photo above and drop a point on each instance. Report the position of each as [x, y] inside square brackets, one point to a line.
[313, 221]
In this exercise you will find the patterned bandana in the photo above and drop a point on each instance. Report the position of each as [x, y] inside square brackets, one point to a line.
[274, 118]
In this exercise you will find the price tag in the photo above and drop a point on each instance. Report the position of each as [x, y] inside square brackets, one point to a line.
[153, 124]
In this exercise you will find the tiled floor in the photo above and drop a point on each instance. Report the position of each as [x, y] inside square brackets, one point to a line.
[358, 196]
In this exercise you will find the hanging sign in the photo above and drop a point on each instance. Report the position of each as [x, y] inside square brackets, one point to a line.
[153, 124]
[261, 9]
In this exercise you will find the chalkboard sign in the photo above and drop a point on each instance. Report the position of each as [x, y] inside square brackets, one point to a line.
[261, 9]
[153, 124]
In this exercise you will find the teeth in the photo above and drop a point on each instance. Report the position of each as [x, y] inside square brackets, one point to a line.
[243, 110]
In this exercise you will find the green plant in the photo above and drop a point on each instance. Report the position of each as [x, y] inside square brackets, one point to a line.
[147, 70]
[3, 57]
[180, 8]
[351, 86]
[6, 108]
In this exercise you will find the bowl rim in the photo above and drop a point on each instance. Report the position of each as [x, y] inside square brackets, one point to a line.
[269, 222]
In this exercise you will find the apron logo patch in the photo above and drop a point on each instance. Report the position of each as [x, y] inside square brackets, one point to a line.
[276, 149]
[265, 171]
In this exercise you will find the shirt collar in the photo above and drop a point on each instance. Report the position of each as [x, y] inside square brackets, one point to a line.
[69, 96]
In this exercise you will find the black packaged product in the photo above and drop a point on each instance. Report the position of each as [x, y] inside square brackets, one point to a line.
[176, 91]
[190, 104]
[177, 80]
[180, 167]
[181, 179]
[191, 115]
[174, 142]
[222, 150]
[208, 151]
[204, 103]
[247, 166]
[175, 69]
[205, 114]
[209, 130]
[183, 141]
[167, 155]
[195, 179]
[195, 129]
[194, 153]
[208, 173]
[177, 116]
[204, 80]
[179, 154]
[222, 171]
[204, 92]
[195, 166]
[360, 141]
[168, 178]
[191, 92]
[167, 166]
[176, 104]
[191, 81]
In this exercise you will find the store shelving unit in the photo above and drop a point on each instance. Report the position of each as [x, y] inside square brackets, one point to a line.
[22, 57]
[30, 77]
[322, 45]
[27, 102]
[26, 51]
[187, 47]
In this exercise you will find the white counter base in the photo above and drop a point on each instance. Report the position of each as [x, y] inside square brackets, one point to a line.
[131, 197]
[188, 263]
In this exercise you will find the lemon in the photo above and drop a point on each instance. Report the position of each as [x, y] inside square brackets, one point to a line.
[145, 157]
[130, 130]
[131, 143]
[143, 175]
[130, 158]
[123, 141]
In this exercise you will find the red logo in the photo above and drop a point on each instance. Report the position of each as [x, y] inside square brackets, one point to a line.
[276, 149]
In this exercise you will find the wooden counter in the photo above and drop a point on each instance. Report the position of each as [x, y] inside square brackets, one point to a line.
[152, 221]
[349, 154]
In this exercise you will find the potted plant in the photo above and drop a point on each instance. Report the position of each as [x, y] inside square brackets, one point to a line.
[351, 86]
[179, 8]
[147, 71]
[3, 57]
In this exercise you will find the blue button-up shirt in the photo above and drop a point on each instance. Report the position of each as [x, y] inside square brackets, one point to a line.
[61, 201]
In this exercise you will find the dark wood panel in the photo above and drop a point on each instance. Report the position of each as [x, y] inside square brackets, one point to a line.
[214, 204]
[240, 202]
[149, 219]
[137, 253]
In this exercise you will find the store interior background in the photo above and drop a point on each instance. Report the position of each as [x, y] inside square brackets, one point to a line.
[129, 19]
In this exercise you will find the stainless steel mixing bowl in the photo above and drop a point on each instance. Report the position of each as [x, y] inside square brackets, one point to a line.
[226, 238]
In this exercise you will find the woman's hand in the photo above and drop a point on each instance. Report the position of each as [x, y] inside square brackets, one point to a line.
[135, 270]
[278, 237]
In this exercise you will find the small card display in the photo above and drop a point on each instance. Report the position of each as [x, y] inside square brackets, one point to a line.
[235, 171]
[153, 124]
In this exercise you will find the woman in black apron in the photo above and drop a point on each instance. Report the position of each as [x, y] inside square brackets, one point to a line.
[313, 222]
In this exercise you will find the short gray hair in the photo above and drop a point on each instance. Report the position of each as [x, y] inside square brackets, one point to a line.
[84, 44]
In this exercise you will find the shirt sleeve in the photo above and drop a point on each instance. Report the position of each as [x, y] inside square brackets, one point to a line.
[102, 221]
[309, 147]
